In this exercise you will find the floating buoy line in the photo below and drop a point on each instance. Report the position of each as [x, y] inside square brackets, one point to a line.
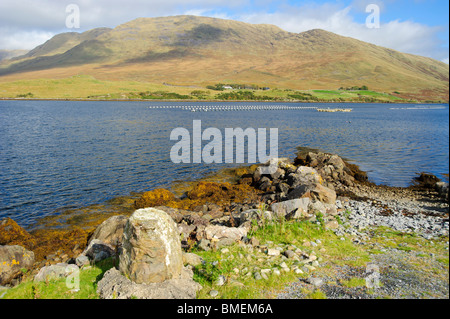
[223, 108]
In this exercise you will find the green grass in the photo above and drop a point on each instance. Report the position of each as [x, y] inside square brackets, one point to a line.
[355, 95]
[298, 233]
[88, 87]
[57, 289]
[354, 282]
[239, 264]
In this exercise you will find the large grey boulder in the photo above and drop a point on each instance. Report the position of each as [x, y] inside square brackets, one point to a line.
[151, 248]
[110, 231]
[116, 286]
[12, 260]
[315, 192]
[304, 176]
[55, 272]
[217, 232]
[292, 209]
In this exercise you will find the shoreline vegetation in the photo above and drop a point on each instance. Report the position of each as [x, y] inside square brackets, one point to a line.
[87, 88]
[320, 252]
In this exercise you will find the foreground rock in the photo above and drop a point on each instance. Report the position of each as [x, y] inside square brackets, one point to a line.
[151, 261]
[12, 260]
[151, 247]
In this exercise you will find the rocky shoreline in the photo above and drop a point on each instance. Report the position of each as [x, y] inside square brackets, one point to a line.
[316, 187]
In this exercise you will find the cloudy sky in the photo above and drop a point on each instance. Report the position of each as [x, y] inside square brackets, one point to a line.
[413, 26]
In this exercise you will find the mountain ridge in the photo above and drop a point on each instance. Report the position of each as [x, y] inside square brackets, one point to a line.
[202, 50]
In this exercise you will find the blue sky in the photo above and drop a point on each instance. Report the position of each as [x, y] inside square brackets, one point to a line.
[415, 26]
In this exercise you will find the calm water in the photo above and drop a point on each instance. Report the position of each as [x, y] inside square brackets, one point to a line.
[56, 155]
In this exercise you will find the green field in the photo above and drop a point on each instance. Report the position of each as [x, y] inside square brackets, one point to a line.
[90, 88]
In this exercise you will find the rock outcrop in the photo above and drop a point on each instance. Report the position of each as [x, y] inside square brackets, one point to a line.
[151, 261]
[151, 247]
[12, 260]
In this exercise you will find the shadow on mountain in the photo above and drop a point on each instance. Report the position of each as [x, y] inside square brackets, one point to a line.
[151, 56]
[92, 51]
[202, 34]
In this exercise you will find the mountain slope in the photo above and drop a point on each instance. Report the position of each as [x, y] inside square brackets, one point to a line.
[188, 50]
[9, 54]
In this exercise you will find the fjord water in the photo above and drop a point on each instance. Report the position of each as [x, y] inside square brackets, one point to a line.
[58, 155]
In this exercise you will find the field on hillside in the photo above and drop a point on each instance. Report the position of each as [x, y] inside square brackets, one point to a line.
[88, 87]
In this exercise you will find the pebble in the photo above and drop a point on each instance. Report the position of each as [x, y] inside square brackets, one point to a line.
[220, 280]
[316, 282]
[289, 254]
[364, 215]
[213, 293]
[273, 252]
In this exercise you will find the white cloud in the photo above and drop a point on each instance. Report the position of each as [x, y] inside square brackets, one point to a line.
[20, 39]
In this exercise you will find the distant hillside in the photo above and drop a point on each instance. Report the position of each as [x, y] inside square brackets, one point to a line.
[188, 50]
[9, 54]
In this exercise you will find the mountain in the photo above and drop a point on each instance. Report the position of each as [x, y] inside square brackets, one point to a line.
[9, 54]
[190, 50]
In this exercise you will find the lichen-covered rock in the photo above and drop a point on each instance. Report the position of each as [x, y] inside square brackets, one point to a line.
[151, 247]
[304, 176]
[12, 260]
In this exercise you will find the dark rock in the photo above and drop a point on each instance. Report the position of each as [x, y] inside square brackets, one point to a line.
[282, 188]
[110, 231]
[98, 250]
[443, 190]
[12, 260]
